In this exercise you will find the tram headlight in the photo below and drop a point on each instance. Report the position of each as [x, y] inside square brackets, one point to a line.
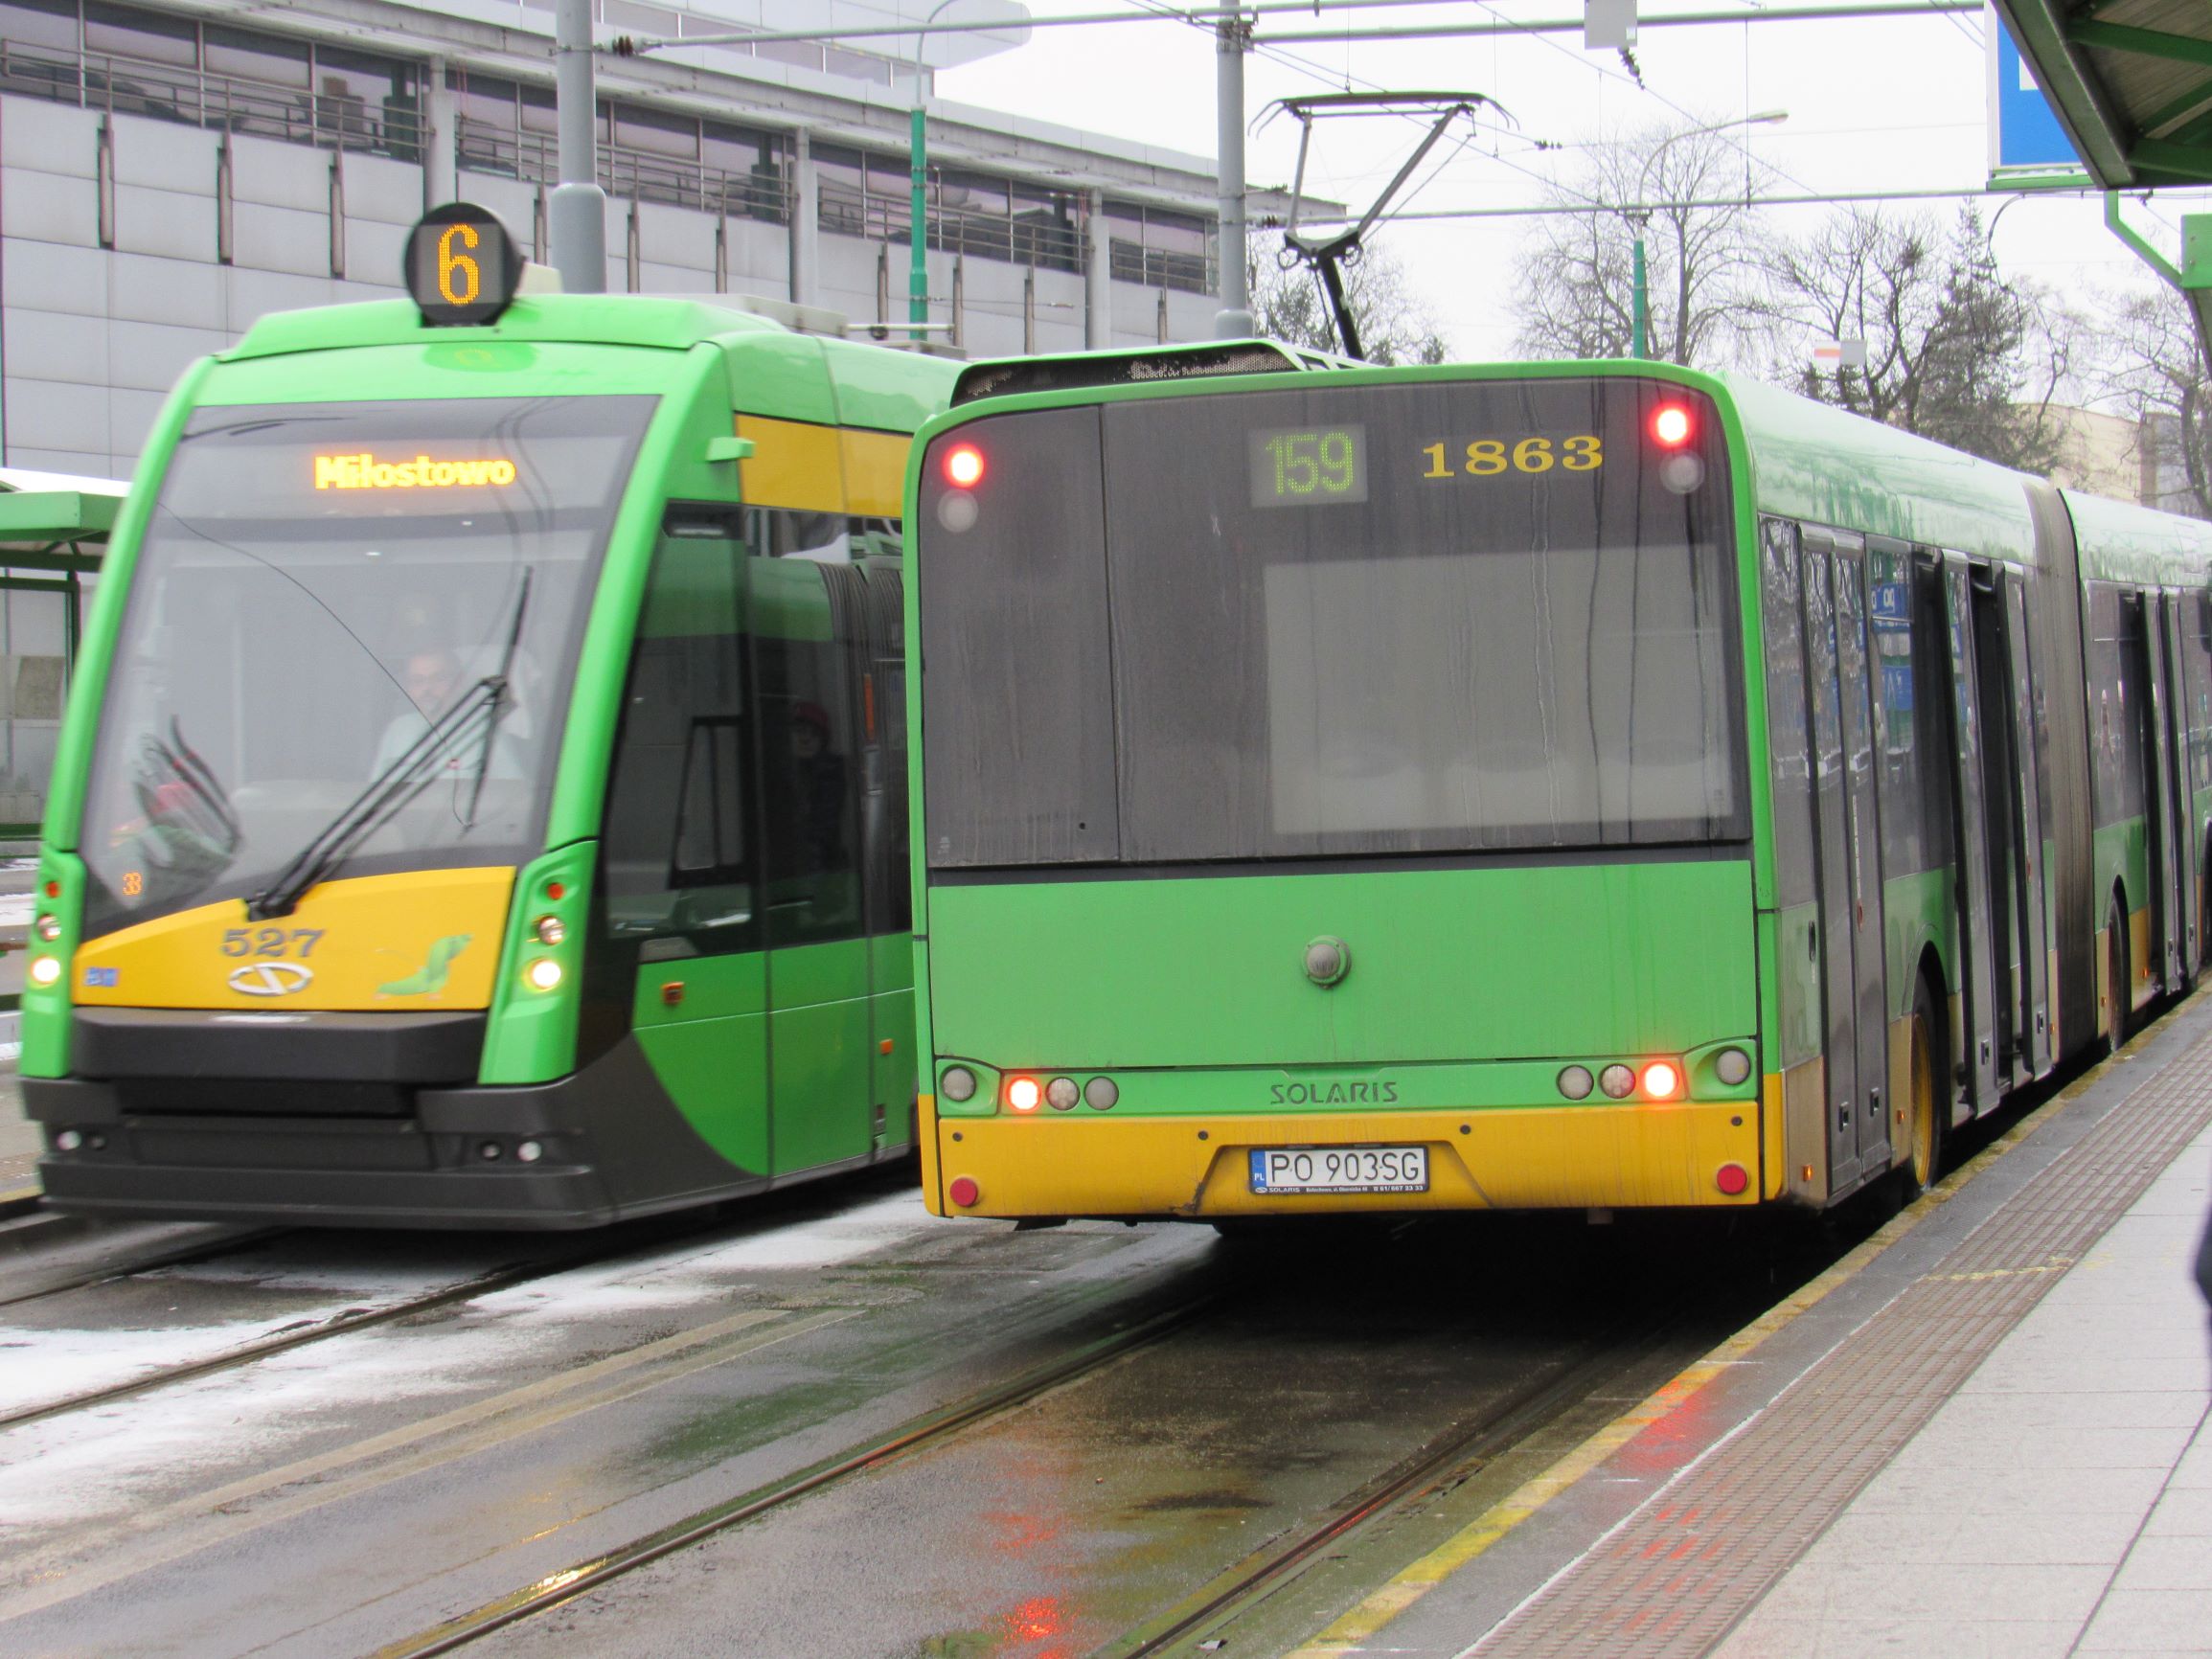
[48, 927]
[957, 1084]
[1618, 1082]
[1576, 1082]
[542, 974]
[1732, 1066]
[549, 930]
[45, 970]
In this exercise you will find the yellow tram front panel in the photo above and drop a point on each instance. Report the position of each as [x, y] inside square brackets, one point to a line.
[423, 940]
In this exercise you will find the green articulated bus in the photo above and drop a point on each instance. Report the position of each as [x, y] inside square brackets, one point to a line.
[1574, 785]
[483, 797]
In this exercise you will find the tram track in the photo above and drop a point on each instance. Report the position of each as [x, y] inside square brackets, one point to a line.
[183, 1256]
[930, 1429]
[662, 1232]
[1452, 1456]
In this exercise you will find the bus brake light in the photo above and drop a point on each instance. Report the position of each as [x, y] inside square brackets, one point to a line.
[1671, 426]
[964, 466]
[1023, 1094]
[1661, 1079]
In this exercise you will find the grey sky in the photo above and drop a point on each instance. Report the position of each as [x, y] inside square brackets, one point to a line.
[1874, 104]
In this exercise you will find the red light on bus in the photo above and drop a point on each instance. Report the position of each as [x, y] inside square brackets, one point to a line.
[964, 466]
[1671, 426]
[1023, 1094]
[1661, 1079]
[1732, 1179]
[964, 1192]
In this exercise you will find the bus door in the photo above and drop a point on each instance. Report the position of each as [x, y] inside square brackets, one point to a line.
[1869, 949]
[806, 629]
[1839, 889]
[2143, 622]
[887, 885]
[1981, 948]
[2024, 799]
[2180, 931]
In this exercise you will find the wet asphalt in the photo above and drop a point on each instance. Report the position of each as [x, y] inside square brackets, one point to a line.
[353, 1493]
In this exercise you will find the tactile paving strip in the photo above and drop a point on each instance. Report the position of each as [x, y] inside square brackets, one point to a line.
[1676, 1576]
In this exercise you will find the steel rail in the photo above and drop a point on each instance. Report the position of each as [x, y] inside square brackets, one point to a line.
[181, 1257]
[946, 1423]
[1464, 1446]
[285, 1340]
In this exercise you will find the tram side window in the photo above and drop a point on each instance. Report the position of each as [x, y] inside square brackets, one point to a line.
[809, 776]
[678, 855]
[779, 532]
[1778, 580]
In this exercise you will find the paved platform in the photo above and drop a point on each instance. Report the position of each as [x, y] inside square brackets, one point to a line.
[1984, 1433]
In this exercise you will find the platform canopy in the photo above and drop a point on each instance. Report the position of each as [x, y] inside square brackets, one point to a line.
[2131, 83]
[55, 520]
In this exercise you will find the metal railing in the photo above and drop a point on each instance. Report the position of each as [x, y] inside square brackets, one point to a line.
[1160, 267]
[164, 92]
[1035, 238]
[760, 192]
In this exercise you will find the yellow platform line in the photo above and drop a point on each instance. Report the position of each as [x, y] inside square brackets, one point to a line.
[1347, 1634]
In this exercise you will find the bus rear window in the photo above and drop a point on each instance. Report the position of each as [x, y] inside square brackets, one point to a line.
[1435, 617]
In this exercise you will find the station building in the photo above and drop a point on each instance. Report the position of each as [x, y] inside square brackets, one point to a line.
[173, 169]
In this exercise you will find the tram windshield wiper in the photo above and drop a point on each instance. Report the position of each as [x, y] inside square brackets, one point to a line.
[474, 714]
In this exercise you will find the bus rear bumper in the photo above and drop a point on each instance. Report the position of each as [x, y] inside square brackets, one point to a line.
[1602, 1157]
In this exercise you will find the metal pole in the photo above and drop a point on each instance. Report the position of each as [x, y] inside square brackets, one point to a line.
[918, 269]
[1234, 319]
[577, 215]
[1640, 300]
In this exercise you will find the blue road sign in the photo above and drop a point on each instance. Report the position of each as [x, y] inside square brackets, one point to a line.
[2026, 133]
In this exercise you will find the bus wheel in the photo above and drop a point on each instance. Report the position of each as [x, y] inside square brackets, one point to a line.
[1929, 1113]
[2117, 961]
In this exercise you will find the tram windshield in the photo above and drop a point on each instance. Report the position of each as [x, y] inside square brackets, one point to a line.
[1435, 616]
[330, 599]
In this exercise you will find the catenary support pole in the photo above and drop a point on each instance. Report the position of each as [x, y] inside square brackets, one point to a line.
[577, 213]
[1234, 319]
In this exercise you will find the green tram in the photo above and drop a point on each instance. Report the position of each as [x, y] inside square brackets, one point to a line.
[1578, 784]
[482, 802]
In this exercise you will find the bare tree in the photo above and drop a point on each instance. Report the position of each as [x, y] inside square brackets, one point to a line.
[2156, 369]
[1953, 351]
[1395, 324]
[1704, 264]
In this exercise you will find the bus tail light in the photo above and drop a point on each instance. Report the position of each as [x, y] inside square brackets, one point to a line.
[1023, 1094]
[962, 1191]
[1671, 427]
[964, 466]
[1618, 1082]
[1732, 1179]
[1662, 1080]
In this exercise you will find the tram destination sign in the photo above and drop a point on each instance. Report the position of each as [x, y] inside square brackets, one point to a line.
[462, 266]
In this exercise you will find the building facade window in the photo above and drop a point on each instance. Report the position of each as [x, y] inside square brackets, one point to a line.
[123, 61]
